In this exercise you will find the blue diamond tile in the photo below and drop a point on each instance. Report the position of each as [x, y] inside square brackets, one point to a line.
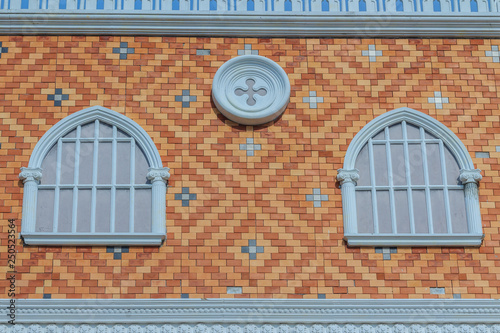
[185, 196]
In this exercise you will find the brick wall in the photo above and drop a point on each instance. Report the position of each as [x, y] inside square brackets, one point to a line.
[244, 198]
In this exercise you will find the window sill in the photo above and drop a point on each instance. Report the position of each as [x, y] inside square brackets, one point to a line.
[414, 240]
[85, 239]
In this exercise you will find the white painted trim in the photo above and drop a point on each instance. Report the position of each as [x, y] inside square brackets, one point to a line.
[414, 240]
[458, 150]
[254, 311]
[349, 24]
[87, 115]
[418, 118]
[159, 177]
[89, 239]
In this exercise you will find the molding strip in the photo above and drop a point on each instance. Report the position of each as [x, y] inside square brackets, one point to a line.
[254, 24]
[254, 311]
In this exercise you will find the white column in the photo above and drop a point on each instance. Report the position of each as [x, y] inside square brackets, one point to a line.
[348, 179]
[470, 179]
[158, 177]
[30, 178]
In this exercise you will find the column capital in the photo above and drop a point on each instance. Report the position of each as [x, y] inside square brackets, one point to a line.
[157, 174]
[470, 176]
[347, 176]
[30, 174]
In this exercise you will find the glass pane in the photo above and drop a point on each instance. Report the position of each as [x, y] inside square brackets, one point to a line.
[420, 212]
[412, 132]
[105, 130]
[104, 163]
[380, 162]
[364, 211]
[416, 164]
[380, 135]
[68, 162]
[457, 209]
[402, 212]
[44, 211]
[398, 164]
[384, 212]
[123, 163]
[84, 210]
[438, 212]
[452, 168]
[396, 132]
[65, 210]
[71, 134]
[49, 166]
[141, 166]
[88, 130]
[363, 165]
[434, 164]
[103, 211]
[86, 162]
[122, 210]
[142, 210]
[122, 134]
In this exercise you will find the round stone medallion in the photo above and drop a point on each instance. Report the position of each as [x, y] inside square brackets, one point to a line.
[251, 90]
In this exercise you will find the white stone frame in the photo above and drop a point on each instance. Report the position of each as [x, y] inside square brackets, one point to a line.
[33, 173]
[469, 176]
[253, 315]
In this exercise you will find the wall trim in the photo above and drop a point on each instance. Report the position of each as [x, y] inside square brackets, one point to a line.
[252, 311]
[351, 24]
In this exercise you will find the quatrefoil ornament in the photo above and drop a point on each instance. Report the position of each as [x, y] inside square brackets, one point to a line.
[251, 90]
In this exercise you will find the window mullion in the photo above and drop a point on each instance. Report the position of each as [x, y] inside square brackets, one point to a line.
[373, 185]
[76, 174]
[391, 181]
[408, 177]
[94, 177]
[113, 182]
[132, 182]
[445, 190]
[426, 182]
[55, 223]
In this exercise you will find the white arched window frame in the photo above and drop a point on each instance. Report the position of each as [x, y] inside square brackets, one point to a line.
[156, 174]
[469, 178]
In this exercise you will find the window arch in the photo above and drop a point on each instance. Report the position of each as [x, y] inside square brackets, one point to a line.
[95, 178]
[408, 180]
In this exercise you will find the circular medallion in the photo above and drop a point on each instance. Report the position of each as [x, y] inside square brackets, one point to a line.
[251, 90]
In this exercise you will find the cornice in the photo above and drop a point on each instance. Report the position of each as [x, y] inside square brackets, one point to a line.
[349, 24]
[252, 311]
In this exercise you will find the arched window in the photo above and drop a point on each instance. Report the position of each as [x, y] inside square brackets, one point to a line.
[408, 180]
[95, 177]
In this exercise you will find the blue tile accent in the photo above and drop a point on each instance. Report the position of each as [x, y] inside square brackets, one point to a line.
[248, 50]
[57, 97]
[47, 296]
[184, 295]
[494, 53]
[185, 98]
[457, 296]
[438, 100]
[317, 197]
[252, 249]
[3, 49]
[117, 251]
[386, 251]
[482, 154]
[185, 196]
[372, 53]
[250, 147]
[321, 296]
[123, 50]
[313, 100]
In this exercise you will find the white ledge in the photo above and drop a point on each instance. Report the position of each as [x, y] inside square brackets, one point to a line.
[414, 240]
[348, 24]
[261, 311]
[70, 239]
